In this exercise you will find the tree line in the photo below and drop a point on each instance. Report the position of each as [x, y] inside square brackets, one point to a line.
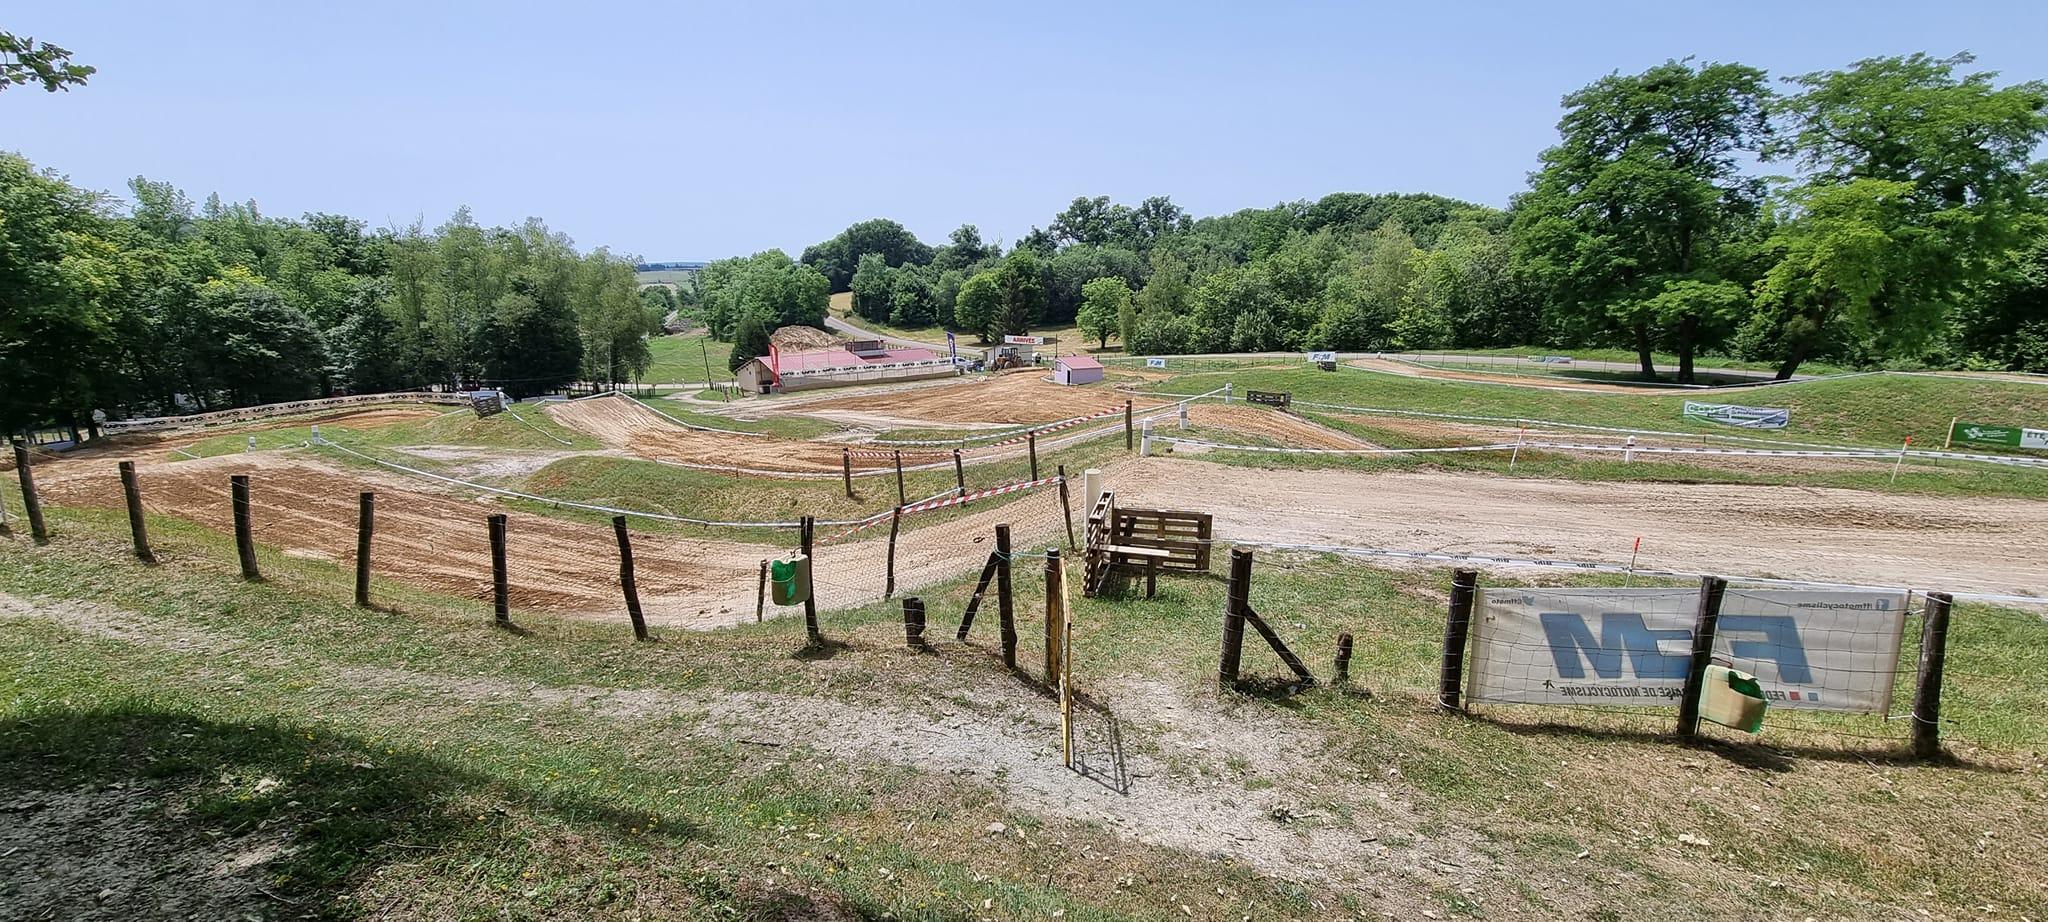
[1890, 213]
[157, 306]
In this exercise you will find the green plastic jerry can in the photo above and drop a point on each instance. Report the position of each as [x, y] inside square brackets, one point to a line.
[1732, 699]
[790, 580]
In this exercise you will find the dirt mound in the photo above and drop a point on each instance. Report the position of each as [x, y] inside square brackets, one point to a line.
[1017, 399]
[626, 425]
[1284, 428]
[800, 338]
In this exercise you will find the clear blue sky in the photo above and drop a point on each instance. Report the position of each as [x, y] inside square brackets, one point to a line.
[674, 131]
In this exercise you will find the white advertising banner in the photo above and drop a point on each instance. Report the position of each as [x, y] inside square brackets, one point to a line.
[1809, 649]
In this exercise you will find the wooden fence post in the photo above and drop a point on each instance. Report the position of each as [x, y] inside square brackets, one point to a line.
[1052, 616]
[761, 593]
[1704, 623]
[846, 469]
[501, 587]
[626, 584]
[1031, 438]
[1236, 599]
[366, 528]
[132, 490]
[1343, 664]
[1458, 626]
[245, 538]
[1067, 505]
[889, 580]
[31, 505]
[805, 537]
[901, 497]
[1933, 658]
[988, 573]
[913, 624]
[959, 475]
[1127, 425]
[1006, 614]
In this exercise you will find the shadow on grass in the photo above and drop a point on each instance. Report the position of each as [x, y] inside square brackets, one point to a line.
[131, 811]
[1774, 755]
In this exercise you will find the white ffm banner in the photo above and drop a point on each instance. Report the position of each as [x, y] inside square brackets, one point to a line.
[1810, 649]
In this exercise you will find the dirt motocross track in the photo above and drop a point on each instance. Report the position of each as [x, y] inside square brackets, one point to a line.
[306, 507]
[1831, 535]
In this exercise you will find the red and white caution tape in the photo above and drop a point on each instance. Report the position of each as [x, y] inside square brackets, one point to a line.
[1332, 451]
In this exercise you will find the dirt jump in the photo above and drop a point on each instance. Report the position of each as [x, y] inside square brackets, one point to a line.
[1022, 398]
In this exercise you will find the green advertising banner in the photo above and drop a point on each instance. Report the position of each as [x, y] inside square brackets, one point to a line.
[1989, 434]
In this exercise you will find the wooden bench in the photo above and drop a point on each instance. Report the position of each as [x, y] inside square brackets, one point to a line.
[1152, 557]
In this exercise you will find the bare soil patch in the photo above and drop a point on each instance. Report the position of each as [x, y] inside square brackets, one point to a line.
[1949, 543]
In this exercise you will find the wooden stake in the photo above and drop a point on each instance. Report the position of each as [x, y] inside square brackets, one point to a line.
[133, 492]
[1236, 601]
[889, 581]
[1294, 663]
[805, 537]
[902, 499]
[626, 584]
[1933, 658]
[31, 505]
[366, 528]
[1032, 440]
[245, 540]
[1457, 627]
[1704, 623]
[1052, 616]
[913, 624]
[1127, 425]
[1005, 612]
[761, 594]
[1343, 664]
[959, 475]
[988, 572]
[846, 469]
[501, 586]
[1067, 505]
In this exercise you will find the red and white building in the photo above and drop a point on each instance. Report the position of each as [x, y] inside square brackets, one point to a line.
[857, 362]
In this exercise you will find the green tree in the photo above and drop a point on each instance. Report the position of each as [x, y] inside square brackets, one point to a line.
[1023, 296]
[24, 60]
[1104, 302]
[838, 258]
[979, 301]
[873, 283]
[750, 340]
[1919, 182]
[1644, 190]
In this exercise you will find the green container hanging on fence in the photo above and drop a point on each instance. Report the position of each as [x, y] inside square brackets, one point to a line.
[1733, 698]
[790, 580]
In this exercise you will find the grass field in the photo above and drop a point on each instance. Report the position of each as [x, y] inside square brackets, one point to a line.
[412, 761]
[681, 359]
[1872, 410]
[1069, 335]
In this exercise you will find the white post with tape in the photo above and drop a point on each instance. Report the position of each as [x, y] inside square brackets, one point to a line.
[1183, 416]
[1628, 453]
[1091, 486]
[1145, 441]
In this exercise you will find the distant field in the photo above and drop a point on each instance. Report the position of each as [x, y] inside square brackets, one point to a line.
[681, 359]
[1069, 335]
[1875, 410]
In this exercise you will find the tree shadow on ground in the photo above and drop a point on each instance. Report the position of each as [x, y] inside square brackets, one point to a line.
[131, 812]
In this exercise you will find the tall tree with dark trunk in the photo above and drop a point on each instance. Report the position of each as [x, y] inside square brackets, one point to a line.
[1644, 196]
